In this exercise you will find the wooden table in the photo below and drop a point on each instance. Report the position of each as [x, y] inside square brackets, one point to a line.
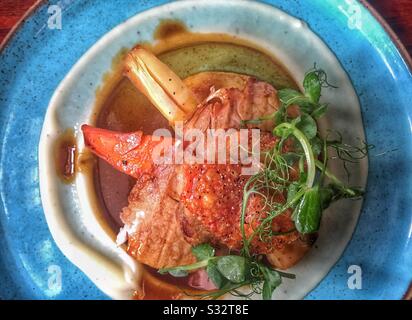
[397, 13]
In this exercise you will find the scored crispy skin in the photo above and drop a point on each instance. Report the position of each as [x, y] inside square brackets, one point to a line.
[161, 239]
[156, 237]
[228, 99]
[213, 197]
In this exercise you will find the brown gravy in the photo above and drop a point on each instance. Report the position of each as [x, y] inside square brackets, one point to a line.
[65, 156]
[164, 287]
[125, 110]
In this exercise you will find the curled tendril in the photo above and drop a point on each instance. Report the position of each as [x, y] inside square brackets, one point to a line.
[322, 76]
[345, 152]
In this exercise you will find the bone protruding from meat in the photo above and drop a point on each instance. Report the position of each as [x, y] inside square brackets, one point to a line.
[160, 84]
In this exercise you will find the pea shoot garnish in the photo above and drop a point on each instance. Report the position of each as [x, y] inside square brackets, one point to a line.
[307, 195]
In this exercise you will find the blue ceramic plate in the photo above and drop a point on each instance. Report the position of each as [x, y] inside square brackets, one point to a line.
[38, 57]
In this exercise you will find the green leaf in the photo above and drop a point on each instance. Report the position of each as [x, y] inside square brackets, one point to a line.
[308, 213]
[292, 191]
[232, 268]
[334, 192]
[267, 291]
[308, 126]
[282, 132]
[280, 115]
[179, 269]
[317, 146]
[303, 176]
[272, 280]
[312, 86]
[326, 196]
[291, 96]
[178, 273]
[203, 251]
[215, 275]
[320, 111]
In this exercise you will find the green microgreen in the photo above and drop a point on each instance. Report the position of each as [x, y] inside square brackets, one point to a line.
[307, 195]
[231, 272]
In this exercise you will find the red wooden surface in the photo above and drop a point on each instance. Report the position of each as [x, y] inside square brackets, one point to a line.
[11, 11]
[398, 13]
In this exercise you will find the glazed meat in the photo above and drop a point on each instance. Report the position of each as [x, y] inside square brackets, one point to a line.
[173, 207]
[210, 195]
[213, 197]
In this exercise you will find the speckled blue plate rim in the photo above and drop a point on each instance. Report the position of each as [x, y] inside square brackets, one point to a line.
[36, 59]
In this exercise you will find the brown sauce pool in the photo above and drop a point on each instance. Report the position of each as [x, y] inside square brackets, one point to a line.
[124, 110]
[121, 107]
[164, 287]
[65, 156]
